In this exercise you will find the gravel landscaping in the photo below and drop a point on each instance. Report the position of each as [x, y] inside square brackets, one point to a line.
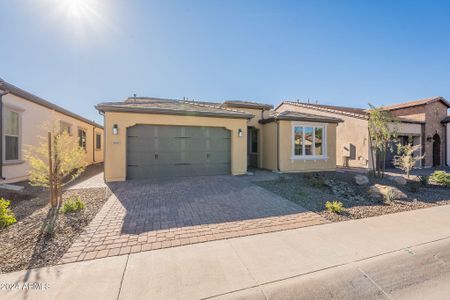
[312, 191]
[24, 245]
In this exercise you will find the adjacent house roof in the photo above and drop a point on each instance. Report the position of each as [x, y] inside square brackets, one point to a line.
[417, 103]
[446, 120]
[342, 110]
[172, 107]
[297, 116]
[363, 113]
[247, 104]
[8, 87]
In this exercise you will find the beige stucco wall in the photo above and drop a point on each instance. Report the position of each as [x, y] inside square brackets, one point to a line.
[288, 164]
[115, 154]
[254, 122]
[32, 117]
[352, 131]
[270, 146]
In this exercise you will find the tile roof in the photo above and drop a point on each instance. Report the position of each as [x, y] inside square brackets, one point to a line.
[343, 110]
[173, 107]
[446, 120]
[416, 103]
[298, 116]
[8, 87]
[247, 104]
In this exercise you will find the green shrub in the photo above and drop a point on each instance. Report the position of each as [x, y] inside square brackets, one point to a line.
[72, 204]
[7, 216]
[441, 177]
[389, 196]
[424, 180]
[335, 206]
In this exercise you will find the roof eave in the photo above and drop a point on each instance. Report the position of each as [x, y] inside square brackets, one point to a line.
[103, 108]
[318, 120]
[5, 86]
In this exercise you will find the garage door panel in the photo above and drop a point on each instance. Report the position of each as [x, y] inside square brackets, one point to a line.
[169, 151]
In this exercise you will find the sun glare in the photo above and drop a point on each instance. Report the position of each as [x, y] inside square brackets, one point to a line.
[78, 9]
[83, 19]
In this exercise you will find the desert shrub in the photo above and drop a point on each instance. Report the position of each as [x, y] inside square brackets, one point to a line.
[441, 177]
[7, 216]
[72, 205]
[424, 180]
[334, 207]
[315, 180]
[389, 196]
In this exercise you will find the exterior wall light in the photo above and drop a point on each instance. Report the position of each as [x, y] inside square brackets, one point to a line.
[115, 129]
[239, 132]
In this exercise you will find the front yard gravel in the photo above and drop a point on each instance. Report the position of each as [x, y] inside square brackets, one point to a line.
[298, 188]
[24, 246]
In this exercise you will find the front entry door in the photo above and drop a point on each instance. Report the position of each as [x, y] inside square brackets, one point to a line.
[436, 150]
[252, 147]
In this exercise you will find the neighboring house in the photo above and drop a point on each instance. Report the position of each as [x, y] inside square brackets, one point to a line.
[446, 123]
[23, 115]
[152, 137]
[421, 121]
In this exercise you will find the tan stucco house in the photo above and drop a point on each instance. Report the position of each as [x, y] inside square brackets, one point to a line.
[423, 122]
[153, 137]
[22, 116]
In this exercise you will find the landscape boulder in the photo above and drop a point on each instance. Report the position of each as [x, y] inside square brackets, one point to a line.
[379, 191]
[361, 180]
[398, 180]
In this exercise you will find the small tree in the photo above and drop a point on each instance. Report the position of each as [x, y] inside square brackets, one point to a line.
[406, 160]
[57, 160]
[382, 130]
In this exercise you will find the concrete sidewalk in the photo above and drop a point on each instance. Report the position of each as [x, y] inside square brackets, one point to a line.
[236, 268]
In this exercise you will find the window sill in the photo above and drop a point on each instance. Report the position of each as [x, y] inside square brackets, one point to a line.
[12, 162]
[98, 150]
[309, 158]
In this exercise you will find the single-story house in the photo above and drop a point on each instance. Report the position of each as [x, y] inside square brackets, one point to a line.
[421, 121]
[23, 115]
[153, 137]
[446, 124]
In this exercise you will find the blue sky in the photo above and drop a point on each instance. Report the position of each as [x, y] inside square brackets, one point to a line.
[77, 54]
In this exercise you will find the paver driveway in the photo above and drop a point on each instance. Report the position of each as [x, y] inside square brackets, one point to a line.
[152, 214]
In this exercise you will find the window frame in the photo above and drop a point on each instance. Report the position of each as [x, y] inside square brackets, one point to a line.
[304, 125]
[96, 145]
[85, 138]
[69, 126]
[19, 136]
[254, 131]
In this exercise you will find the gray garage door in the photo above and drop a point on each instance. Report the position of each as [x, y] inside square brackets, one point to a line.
[168, 151]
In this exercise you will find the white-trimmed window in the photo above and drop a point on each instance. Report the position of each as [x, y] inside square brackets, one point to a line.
[82, 138]
[309, 141]
[11, 139]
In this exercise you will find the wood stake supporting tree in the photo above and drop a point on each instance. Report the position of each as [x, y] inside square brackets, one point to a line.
[56, 161]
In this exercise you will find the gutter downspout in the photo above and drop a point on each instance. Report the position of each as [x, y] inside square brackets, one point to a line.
[1, 134]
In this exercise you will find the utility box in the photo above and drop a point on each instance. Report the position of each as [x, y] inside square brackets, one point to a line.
[348, 151]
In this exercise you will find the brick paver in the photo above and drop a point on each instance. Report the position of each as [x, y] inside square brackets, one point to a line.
[155, 214]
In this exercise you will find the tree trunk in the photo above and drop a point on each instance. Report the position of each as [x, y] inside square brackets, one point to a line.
[50, 171]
